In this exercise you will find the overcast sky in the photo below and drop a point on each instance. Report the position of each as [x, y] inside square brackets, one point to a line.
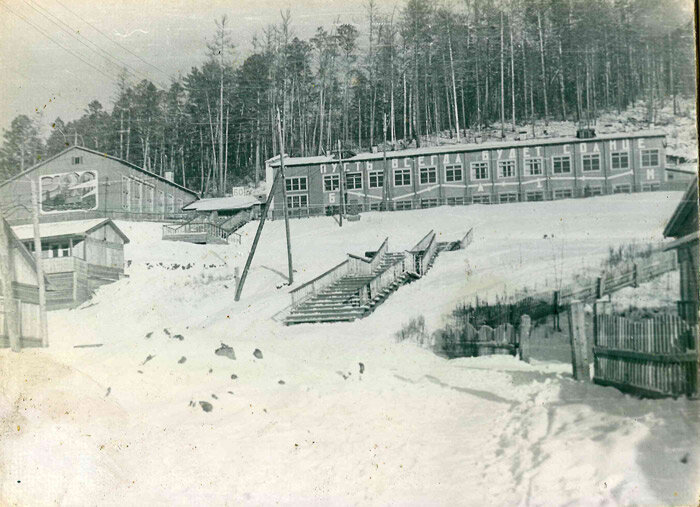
[170, 35]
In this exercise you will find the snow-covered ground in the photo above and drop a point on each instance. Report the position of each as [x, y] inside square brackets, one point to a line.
[336, 414]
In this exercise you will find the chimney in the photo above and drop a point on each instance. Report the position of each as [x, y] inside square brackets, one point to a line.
[169, 175]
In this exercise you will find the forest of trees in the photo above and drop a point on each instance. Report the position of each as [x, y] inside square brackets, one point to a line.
[402, 76]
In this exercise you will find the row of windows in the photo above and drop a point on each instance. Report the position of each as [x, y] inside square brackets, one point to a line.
[479, 171]
[141, 197]
[301, 201]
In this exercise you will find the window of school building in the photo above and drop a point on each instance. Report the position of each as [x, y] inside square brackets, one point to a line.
[428, 175]
[620, 160]
[480, 170]
[297, 201]
[353, 181]
[508, 197]
[428, 203]
[533, 167]
[331, 182]
[402, 177]
[650, 158]
[453, 173]
[561, 165]
[590, 162]
[376, 179]
[403, 205]
[481, 199]
[455, 201]
[506, 168]
[296, 184]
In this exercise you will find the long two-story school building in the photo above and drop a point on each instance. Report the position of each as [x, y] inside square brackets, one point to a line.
[487, 173]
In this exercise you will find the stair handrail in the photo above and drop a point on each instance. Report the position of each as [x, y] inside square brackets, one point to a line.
[467, 239]
[386, 277]
[322, 281]
[429, 255]
[419, 247]
[363, 266]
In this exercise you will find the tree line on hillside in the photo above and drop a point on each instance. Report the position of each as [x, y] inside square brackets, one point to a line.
[428, 68]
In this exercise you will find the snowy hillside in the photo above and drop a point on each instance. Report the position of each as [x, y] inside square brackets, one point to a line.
[336, 414]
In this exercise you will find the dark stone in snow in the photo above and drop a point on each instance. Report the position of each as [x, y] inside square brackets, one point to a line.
[281, 382]
[257, 353]
[166, 331]
[206, 406]
[362, 368]
[182, 360]
[234, 376]
[225, 351]
[179, 337]
[149, 334]
[215, 396]
[148, 358]
[684, 459]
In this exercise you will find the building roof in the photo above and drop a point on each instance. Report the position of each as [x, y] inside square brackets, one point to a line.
[291, 161]
[684, 211]
[453, 148]
[223, 203]
[116, 159]
[69, 229]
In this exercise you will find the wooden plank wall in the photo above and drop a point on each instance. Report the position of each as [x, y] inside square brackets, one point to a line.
[652, 357]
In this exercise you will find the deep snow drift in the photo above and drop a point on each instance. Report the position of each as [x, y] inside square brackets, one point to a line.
[336, 413]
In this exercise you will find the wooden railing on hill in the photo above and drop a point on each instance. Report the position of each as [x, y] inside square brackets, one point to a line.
[198, 228]
[319, 283]
[383, 280]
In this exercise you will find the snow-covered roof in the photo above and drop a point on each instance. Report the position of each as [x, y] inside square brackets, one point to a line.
[453, 148]
[223, 203]
[65, 229]
[290, 161]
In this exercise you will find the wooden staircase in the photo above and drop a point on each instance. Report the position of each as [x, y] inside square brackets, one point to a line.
[353, 290]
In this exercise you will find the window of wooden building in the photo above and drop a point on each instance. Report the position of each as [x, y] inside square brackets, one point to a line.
[650, 158]
[428, 175]
[353, 181]
[506, 168]
[481, 199]
[331, 182]
[590, 162]
[533, 166]
[453, 173]
[376, 179]
[561, 164]
[480, 170]
[620, 160]
[296, 184]
[402, 177]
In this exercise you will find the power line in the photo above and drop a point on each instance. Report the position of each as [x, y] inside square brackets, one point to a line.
[57, 43]
[72, 33]
[113, 41]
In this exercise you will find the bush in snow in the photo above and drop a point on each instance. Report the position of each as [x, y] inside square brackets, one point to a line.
[414, 330]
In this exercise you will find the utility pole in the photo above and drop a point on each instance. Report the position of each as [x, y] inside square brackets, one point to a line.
[385, 172]
[6, 276]
[39, 268]
[340, 185]
[284, 199]
[263, 216]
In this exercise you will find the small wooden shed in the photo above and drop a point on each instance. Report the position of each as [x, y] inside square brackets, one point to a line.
[78, 257]
[683, 226]
[25, 288]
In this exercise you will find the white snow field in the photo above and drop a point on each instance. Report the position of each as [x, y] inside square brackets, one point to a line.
[305, 423]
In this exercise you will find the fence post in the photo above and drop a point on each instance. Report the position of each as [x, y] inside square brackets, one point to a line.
[635, 275]
[599, 287]
[555, 304]
[579, 344]
[524, 346]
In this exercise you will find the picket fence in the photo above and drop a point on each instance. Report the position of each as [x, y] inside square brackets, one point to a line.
[654, 357]
[467, 341]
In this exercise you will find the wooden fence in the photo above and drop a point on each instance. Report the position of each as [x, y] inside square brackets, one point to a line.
[654, 358]
[28, 323]
[468, 341]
